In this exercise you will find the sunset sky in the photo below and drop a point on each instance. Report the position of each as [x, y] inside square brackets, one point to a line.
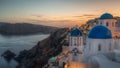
[56, 12]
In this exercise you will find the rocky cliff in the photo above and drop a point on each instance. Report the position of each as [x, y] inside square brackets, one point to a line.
[40, 53]
[24, 29]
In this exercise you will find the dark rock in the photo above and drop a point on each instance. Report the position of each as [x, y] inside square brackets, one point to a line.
[22, 55]
[8, 55]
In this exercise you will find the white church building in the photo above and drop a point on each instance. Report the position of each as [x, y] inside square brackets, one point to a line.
[99, 41]
[75, 48]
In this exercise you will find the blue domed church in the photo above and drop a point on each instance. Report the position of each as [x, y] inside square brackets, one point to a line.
[112, 24]
[75, 48]
[99, 41]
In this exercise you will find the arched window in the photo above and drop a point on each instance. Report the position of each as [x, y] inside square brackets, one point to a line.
[99, 47]
[75, 44]
[101, 23]
[107, 24]
[75, 40]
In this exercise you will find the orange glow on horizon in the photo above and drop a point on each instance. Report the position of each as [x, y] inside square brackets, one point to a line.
[59, 21]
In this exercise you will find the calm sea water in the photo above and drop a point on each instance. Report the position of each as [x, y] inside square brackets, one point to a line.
[17, 44]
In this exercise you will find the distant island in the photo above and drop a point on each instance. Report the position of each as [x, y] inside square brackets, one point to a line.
[24, 29]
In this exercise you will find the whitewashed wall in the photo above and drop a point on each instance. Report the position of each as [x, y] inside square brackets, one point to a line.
[91, 48]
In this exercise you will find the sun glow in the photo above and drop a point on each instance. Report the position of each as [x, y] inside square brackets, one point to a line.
[78, 65]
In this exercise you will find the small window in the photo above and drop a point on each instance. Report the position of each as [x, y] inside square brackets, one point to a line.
[101, 23]
[107, 24]
[75, 44]
[99, 47]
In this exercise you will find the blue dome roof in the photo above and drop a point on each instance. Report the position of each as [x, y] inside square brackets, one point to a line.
[100, 32]
[76, 32]
[106, 16]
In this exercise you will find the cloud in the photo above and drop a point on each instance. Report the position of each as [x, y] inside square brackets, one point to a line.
[54, 21]
[86, 15]
[59, 23]
[78, 16]
[51, 21]
[37, 15]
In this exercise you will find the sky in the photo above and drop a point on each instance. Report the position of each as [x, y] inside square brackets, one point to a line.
[61, 13]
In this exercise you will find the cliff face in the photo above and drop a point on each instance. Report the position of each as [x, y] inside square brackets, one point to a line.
[24, 29]
[39, 55]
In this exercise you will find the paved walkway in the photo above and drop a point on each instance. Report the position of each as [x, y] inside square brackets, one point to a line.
[105, 62]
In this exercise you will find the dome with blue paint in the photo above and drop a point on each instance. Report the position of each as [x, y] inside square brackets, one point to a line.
[100, 32]
[106, 16]
[76, 32]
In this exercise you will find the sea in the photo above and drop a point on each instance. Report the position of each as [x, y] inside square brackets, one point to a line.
[17, 44]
